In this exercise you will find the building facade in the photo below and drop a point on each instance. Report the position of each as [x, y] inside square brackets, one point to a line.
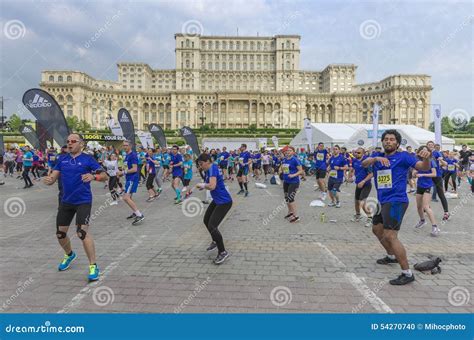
[237, 82]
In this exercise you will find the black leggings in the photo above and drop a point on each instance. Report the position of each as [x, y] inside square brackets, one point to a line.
[438, 183]
[26, 176]
[140, 172]
[447, 176]
[215, 213]
[112, 186]
[149, 181]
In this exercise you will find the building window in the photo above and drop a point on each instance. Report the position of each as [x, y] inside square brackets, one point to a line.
[69, 78]
[60, 78]
[51, 78]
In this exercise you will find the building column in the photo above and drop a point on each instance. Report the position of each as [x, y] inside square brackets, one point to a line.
[227, 113]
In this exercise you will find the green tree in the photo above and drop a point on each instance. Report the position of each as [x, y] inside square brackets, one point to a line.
[14, 122]
[72, 122]
[82, 125]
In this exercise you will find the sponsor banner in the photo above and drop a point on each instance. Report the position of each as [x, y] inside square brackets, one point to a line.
[102, 138]
[275, 141]
[375, 125]
[437, 115]
[30, 135]
[158, 133]
[126, 123]
[188, 134]
[309, 133]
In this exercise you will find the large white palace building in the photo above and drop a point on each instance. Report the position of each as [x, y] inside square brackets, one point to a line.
[234, 82]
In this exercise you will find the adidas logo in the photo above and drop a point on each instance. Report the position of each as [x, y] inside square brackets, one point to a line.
[186, 132]
[39, 101]
[124, 118]
[154, 128]
[26, 129]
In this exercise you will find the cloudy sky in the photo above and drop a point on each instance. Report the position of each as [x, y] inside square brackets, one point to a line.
[381, 38]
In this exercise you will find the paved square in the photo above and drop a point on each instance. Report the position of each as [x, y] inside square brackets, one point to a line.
[162, 265]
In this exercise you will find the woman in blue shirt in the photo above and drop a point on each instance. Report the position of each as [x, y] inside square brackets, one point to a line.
[450, 172]
[218, 208]
[423, 196]
[291, 169]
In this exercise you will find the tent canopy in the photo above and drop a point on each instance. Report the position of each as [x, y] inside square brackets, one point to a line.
[354, 135]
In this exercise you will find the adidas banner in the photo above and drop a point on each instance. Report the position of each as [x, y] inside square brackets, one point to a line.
[126, 123]
[30, 135]
[145, 139]
[115, 127]
[2, 145]
[191, 139]
[308, 128]
[43, 136]
[48, 113]
[158, 133]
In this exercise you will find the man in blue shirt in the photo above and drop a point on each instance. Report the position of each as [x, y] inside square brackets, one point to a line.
[291, 169]
[27, 164]
[242, 175]
[438, 181]
[77, 170]
[224, 158]
[363, 180]
[390, 173]
[321, 157]
[337, 167]
[176, 164]
[131, 181]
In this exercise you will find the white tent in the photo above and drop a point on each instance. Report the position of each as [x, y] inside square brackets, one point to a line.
[354, 135]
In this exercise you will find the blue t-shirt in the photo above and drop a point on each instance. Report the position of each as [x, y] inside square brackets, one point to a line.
[339, 161]
[166, 158]
[151, 166]
[223, 157]
[75, 191]
[188, 169]
[177, 170]
[436, 154]
[391, 182]
[130, 159]
[244, 159]
[141, 155]
[159, 158]
[258, 158]
[220, 195]
[321, 156]
[290, 166]
[28, 155]
[360, 171]
[451, 165]
[424, 182]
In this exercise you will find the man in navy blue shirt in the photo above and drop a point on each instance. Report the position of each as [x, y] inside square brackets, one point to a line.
[321, 158]
[77, 170]
[132, 179]
[390, 173]
[244, 164]
[176, 165]
[363, 181]
[337, 166]
[438, 181]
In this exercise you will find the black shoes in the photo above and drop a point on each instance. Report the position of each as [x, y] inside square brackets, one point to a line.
[403, 279]
[386, 260]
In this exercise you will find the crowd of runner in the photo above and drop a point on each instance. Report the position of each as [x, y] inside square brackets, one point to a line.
[427, 172]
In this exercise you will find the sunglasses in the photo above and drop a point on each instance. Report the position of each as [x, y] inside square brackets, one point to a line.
[72, 141]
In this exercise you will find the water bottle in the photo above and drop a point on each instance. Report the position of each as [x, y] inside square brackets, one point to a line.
[322, 218]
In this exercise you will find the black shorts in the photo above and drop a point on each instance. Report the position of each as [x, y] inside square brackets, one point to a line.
[222, 165]
[290, 190]
[362, 193]
[243, 171]
[67, 211]
[421, 191]
[391, 215]
[334, 184]
[320, 174]
[257, 166]
[180, 177]
[166, 167]
[186, 182]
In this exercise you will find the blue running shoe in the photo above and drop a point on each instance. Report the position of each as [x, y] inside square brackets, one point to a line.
[93, 272]
[67, 260]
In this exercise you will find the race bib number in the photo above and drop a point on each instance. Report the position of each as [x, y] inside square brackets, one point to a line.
[451, 167]
[286, 169]
[241, 161]
[384, 179]
[53, 158]
[320, 156]
[222, 158]
[333, 173]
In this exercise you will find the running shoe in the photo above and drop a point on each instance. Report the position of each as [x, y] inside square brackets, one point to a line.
[323, 196]
[178, 201]
[160, 190]
[138, 219]
[93, 272]
[221, 257]
[402, 280]
[114, 202]
[435, 231]
[294, 219]
[446, 216]
[288, 216]
[150, 199]
[241, 192]
[338, 204]
[67, 260]
[356, 218]
[246, 194]
[369, 222]
[420, 224]
[386, 260]
[212, 246]
[331, 204]
[131, 216]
